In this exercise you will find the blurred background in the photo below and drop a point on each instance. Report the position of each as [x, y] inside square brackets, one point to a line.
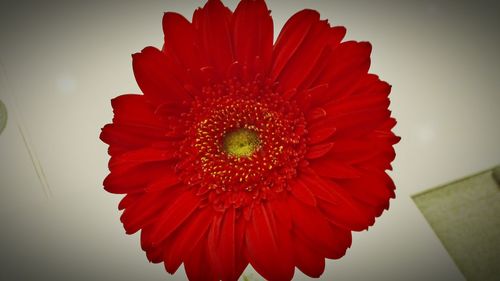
[62, 62]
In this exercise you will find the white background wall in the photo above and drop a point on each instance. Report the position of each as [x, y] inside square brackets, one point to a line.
[63, 61]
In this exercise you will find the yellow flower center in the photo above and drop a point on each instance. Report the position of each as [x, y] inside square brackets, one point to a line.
[241, 142]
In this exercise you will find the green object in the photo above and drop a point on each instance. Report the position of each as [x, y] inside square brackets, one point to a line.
[241, 142]
[3, 116]
[465, 215]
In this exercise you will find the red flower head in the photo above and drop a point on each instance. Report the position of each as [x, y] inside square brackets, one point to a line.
[243, 151]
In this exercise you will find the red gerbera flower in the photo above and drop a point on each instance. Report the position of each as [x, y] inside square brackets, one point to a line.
[241, 151]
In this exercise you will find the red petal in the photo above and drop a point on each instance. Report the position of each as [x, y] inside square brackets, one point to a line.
[330, 168]
[174, 215]
[146, 209]
[359, 123]
[310, 262]
[319, 133]
[128, 200]
[347, 212]
[253, 33]
[369, 94]
[134, 110]
[335, 36]
[308, 178]
[269, 246]
[135, 179]
[349, 62]
[386, 156]
[126, 137]
[212, 24]
[355, 124]
[290, 38]
[315, 113]
[224, 244]
[133, 158]
[343, 239]
[374, 188]
[198, 266]
[318, 150]
[187, 238]
[156, 77]
[306, 99]
[166, 110]
[180, 40]
[306, 56]
[388, 125]
[303, 193]
[169, 179]
[355, 151]
[146, 237]
[313, 226]
[155, 254]
[282, 212]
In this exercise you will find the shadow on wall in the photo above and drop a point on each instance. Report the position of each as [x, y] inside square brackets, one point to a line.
[3, 116]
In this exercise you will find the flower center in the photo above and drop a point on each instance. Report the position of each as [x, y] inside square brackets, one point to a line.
[241, 142]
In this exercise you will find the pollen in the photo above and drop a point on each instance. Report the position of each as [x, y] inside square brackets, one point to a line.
[241, 142]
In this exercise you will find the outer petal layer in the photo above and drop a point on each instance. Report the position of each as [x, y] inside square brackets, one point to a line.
[213, 29]
[269, 246]
[156, 78]
[253, 17]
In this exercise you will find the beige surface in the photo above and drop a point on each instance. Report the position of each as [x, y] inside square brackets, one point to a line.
[65, 60]
[466, 217]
